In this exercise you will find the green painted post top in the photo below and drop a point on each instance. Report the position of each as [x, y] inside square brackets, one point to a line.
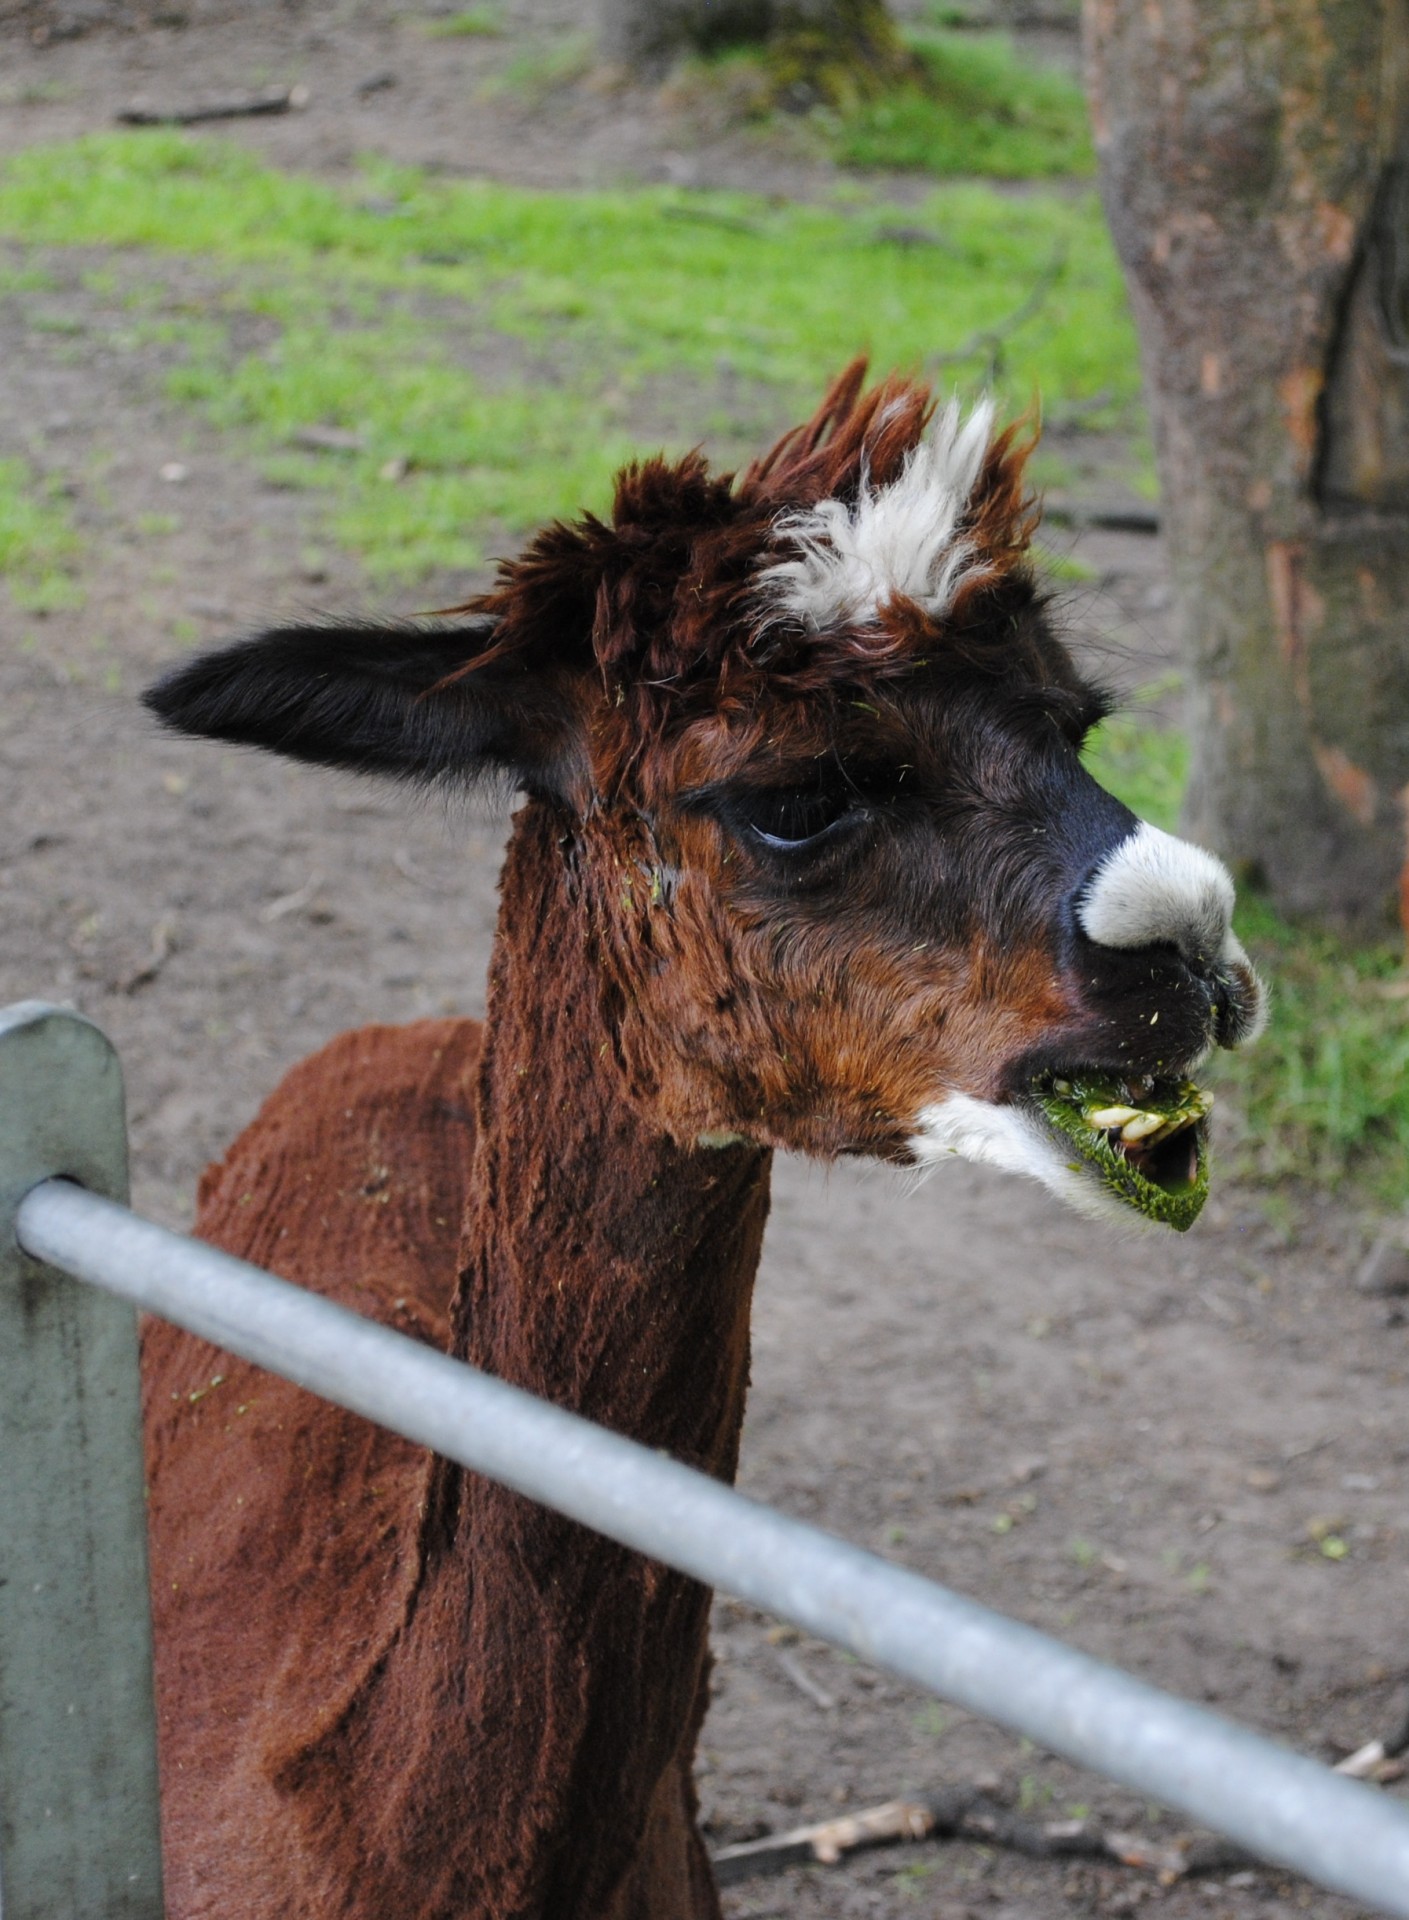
[79, 1825]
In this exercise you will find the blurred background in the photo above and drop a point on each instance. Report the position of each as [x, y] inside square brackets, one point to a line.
[325, 305]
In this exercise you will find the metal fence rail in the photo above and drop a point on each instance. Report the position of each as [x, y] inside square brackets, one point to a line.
[1281, 1806]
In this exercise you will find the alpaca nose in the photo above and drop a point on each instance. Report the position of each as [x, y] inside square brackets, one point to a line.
[1152, 890]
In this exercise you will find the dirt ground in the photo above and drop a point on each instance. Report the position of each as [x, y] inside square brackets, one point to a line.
[1135, 1444]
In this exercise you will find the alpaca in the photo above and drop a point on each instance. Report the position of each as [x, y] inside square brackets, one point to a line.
[808, 860]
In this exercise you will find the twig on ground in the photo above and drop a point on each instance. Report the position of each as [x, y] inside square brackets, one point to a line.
[1373, 1761]
[407, 867]
[901, 235]
[162, 947]
[1070, 416]
[294, 902]
[1306, 1448]
[967, 1813]
[803, 1680]
[270, 100]
[328, 440]
[1380, 1759]
[712, 217]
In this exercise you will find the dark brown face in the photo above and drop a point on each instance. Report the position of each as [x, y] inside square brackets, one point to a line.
[815, 752]
[858, 928]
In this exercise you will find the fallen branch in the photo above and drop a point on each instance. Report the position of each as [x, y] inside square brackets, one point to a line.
[967, 1813]
[242, 106]
[1117, 518]
[826, 1842]
[990, 341]
[1019, 20]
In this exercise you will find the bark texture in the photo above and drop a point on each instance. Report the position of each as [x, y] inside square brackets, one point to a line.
[1255, 170]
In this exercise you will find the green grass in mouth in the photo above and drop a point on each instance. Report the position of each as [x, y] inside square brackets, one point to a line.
[1176, 1205]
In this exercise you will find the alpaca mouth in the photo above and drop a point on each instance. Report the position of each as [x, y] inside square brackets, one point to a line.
[1145, 1139]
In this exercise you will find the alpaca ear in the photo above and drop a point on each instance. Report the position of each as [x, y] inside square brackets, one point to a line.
[381, 699]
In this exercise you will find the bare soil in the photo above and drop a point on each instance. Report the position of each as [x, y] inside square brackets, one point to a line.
[1135, 1444]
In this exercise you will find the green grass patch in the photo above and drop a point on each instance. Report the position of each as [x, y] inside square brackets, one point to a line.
[945, 103]
[535, 76]
[982, 108]
[23, 277]
[498, 351]
[473, 23]
[39, 547]
[1145, 766]
[1323, 1096]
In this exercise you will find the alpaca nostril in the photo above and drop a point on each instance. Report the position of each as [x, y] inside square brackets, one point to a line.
[1239, 999]
[1227, 1014]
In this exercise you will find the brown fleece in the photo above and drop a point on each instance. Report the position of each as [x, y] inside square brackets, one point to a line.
[388, 1687]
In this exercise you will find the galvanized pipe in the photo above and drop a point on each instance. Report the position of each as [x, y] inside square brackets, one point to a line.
[1282, 1807]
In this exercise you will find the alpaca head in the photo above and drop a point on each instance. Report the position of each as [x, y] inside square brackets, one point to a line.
[813, 747]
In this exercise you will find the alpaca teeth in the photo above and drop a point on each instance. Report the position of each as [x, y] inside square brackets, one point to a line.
[1103, 1117]
[1140, 1127]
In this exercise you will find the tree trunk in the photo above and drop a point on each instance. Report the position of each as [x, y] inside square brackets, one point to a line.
[857, 36]
[1255, 170]
[646, 34]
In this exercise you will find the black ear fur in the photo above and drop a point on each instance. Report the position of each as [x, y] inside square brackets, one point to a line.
[369, 698]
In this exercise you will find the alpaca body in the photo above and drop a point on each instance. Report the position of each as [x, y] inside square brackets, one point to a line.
[810, 861]
[437, 1762]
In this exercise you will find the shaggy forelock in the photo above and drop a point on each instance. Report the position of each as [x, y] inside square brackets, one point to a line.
[873, 540]
[854, 556]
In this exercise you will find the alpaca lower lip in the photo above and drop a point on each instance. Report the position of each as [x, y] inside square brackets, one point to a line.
[1145, 1140]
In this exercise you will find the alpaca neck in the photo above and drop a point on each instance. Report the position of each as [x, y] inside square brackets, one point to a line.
[605, 1266]
[611, 1271]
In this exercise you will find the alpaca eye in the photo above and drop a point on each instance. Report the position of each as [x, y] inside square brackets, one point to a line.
[787, 818]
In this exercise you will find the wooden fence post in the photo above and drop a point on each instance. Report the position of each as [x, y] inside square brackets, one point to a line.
[79, 1834]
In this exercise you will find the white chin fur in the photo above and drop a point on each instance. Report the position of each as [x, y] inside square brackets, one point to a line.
[961, 1127]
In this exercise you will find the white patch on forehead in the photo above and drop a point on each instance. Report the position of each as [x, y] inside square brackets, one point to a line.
[961, 1127]
[899, 539]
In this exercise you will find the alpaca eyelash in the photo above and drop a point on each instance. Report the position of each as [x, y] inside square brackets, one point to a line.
[787, 819]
